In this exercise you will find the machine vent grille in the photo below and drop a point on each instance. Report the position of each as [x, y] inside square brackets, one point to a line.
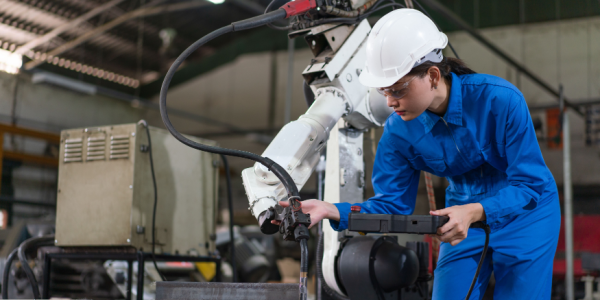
[119, 147]
[73, 150]
[96, 148]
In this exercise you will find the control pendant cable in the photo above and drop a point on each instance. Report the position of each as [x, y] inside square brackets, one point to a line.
[289, 9]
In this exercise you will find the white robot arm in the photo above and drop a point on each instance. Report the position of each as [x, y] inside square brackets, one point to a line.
[298, 145]
[333, 77]
[296, 148]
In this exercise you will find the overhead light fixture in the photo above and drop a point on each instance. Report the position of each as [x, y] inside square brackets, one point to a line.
[217, 1]
[10, 62]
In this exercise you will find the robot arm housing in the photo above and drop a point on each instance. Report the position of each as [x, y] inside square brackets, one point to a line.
[339, 94]
[297, 148]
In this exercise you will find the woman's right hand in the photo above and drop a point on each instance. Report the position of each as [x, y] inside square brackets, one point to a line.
[317, 209]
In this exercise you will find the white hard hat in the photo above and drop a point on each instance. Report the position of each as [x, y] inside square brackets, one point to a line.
[399, 41]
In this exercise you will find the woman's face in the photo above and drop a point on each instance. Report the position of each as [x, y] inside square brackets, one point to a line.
[418, 98]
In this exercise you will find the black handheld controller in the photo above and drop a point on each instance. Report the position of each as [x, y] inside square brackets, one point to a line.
[381, 223]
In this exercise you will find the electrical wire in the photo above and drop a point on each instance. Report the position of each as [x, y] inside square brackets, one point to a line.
[428, 15]
[6, 272]
[33, 242]
[393, 4]
[145, 124]
[230, 203]
[392, 1]
[273, 26]
[303, 269]
[276, 169]
[485, 248]
[279, 172]
[354, 20]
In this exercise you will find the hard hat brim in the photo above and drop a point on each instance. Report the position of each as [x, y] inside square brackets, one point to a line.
[369, 80]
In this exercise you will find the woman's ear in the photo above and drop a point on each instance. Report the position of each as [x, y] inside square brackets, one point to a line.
[434, 77]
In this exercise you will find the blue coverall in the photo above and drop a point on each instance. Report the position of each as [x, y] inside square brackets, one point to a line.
[485, 145]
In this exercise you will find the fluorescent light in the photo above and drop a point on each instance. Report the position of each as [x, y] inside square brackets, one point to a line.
[217, 1]
[10, 62]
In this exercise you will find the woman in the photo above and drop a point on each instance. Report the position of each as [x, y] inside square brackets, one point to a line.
[476, 131]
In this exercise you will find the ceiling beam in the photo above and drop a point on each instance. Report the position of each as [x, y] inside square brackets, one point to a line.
[67, 26]
[451, 17]
[140, 12]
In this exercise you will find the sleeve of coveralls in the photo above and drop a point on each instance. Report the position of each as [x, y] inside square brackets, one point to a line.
[526, 170]
[395, 184]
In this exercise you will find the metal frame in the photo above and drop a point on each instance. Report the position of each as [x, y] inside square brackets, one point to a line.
[148, 10]
[19, 156]
[456, 20]
[67, 26]
[139, 256]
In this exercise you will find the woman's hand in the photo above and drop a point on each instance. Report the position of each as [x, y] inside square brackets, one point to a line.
[317, 209]
[461, 217]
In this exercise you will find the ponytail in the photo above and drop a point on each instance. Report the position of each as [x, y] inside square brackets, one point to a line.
[447, 65]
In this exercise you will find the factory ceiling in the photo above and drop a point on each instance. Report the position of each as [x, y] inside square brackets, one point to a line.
[128, 45]
[120, 44]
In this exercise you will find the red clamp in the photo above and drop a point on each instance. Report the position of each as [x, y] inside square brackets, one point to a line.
[297, 7]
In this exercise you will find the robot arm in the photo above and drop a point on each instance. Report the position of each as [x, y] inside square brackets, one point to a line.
[333, 75]
[297, 148]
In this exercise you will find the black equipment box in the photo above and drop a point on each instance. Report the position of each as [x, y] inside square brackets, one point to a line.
[381, 223]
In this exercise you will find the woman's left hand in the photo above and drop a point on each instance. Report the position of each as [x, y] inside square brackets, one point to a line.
[461, 217]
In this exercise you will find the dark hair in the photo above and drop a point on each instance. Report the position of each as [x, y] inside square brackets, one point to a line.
[447, 65]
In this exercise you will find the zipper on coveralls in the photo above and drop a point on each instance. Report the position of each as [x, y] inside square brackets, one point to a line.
[455, 144]
[452, 135]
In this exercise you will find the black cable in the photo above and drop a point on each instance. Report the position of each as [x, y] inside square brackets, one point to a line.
[143, 122]
[273, 26]
[423, 9]
[393, 4]
[281, 173]
[453, 51]
[485, 248]
[392, 1]
[33, 242]
[6, 272]
[352, 20]
[230, 202]
[303, 268]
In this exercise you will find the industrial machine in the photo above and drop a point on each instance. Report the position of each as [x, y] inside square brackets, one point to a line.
[106, 197]
[341, 109]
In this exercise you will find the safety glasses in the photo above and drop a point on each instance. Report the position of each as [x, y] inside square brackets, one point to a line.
[396, 91]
